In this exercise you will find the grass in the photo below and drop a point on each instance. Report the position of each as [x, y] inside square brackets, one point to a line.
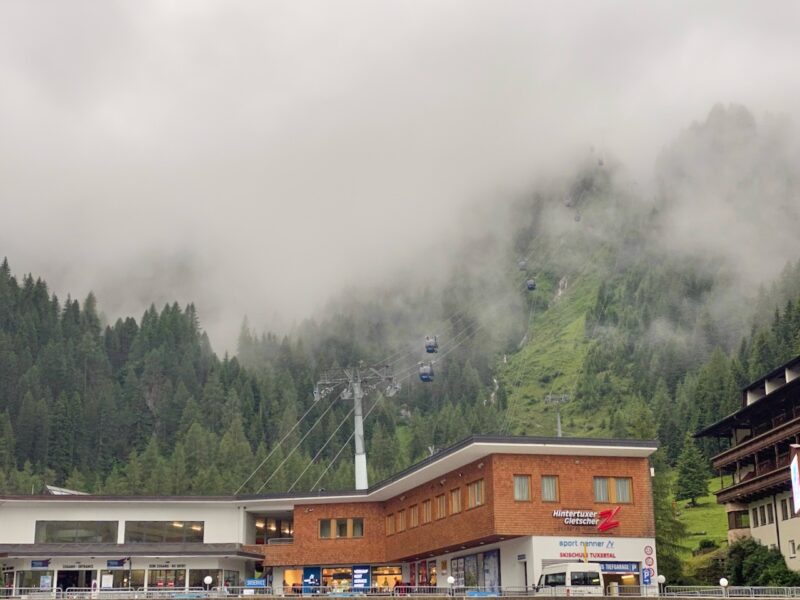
[550, 361]
[707, 520]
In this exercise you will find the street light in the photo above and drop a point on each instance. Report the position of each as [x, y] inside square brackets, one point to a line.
[661, 581]
[724, 584]
[208, 580]
[450, 581]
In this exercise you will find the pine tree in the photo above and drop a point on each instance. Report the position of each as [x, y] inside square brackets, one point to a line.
[692, 472]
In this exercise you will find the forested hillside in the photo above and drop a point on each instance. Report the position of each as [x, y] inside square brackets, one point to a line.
[647, 327]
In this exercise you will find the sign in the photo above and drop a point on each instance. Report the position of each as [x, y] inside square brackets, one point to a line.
[619, 567]
[107, 580]
[647, 574]
[521, 557]
[648, 550]
[361, 578]
[45, 582]
[255, 583]
[603, 520]
[794, 470]
[116, 562]
[649, 561]
[40, 564]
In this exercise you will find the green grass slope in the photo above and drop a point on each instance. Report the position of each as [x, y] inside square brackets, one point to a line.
[707, 520]
[550, 361]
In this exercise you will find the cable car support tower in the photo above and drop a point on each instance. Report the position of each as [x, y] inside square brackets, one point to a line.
[358, 381]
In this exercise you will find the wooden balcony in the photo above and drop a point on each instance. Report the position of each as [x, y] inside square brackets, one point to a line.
[762, 484]
[782, 432]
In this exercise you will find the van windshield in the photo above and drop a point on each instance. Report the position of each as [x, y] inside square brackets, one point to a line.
[553, 579]
[585, 578]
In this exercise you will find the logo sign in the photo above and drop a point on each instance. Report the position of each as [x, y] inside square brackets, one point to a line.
[607, 519]
[361, 579]
[603, 520]
[40, 564]
[255, 583]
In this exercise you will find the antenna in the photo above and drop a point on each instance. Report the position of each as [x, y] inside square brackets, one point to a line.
[358, 382]
[557, 400]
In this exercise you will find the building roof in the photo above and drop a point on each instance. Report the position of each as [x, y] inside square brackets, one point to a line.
[127, 550]
[743, 415]
[458, 455]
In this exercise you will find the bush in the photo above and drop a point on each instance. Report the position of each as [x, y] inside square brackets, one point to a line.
[707, 544]
[750, 563]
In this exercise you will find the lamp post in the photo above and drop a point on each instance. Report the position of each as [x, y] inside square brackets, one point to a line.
[661, 581]
[208, 580]
[450, 581]
[724, 585]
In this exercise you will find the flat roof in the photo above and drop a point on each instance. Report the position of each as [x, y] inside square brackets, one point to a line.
[459, 454]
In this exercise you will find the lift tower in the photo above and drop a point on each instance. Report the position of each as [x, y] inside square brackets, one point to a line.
[358, 381]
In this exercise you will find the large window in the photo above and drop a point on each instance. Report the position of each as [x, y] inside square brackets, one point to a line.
[550, 488]
[401, 520]
[455, 501]
[738, 519]
[426, 511]
[610, 489]
[268, 528]
[343, 528]
[522, 487]
[174, 532]
[66, 532]
[475, 494]
[441, 506]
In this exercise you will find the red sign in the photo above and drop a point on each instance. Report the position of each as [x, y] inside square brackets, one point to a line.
[607, 519]
[648, 550]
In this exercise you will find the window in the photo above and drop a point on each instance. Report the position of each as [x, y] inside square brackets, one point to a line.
[390, 525]
[738, 519]
[163, 531]
[76, 532]
[584, 578]
[623, 489]
[441, 506]
[554, 579]
[426, 511]
[325, 528]
[601, 489]
[358, 527]
[401, 520]
[455, 501]
[268, 528]
[611, 489]
[475, 494]
[341, 528]
[755, 517]
[522, 487]
[792, 549]
[770, 514]
[550, 488]
[413, 516]
[762, 512]
[784, 510]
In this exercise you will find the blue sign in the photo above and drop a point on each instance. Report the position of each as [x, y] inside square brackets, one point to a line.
[311, 580]
[361, 577]
[646, 574]
[40, 564]
[116, 562]
[255, 583]
[619, 567]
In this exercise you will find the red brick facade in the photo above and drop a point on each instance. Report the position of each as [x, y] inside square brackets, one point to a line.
[500, 516]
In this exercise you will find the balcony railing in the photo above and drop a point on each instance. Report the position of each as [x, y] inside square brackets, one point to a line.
[765, 440]
[755, 486]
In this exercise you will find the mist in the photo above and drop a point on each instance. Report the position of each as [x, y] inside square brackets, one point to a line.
[257, 158]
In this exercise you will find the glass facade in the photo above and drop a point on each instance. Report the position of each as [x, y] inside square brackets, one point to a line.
[76, 532]
[166, 578]
[268, 528]
[175, 532]
[123, 578]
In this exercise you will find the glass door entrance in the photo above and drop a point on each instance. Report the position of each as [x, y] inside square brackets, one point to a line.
[74, 579]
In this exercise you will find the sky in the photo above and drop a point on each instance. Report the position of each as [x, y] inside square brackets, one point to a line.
[256, 157]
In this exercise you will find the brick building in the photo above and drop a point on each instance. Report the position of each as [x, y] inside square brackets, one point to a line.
[490, 511]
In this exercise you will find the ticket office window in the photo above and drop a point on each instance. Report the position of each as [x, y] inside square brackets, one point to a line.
[166, 578]
[123, 578]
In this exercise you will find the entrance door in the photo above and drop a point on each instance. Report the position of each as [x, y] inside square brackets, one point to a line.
[74, 579]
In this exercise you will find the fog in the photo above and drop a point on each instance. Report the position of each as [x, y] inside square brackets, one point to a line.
[256, 157]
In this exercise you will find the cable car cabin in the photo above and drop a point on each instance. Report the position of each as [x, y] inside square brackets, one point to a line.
[426, 372]
[531, 284]
[431, 344]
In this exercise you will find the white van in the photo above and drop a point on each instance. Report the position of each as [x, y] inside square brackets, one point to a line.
[571, 579]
